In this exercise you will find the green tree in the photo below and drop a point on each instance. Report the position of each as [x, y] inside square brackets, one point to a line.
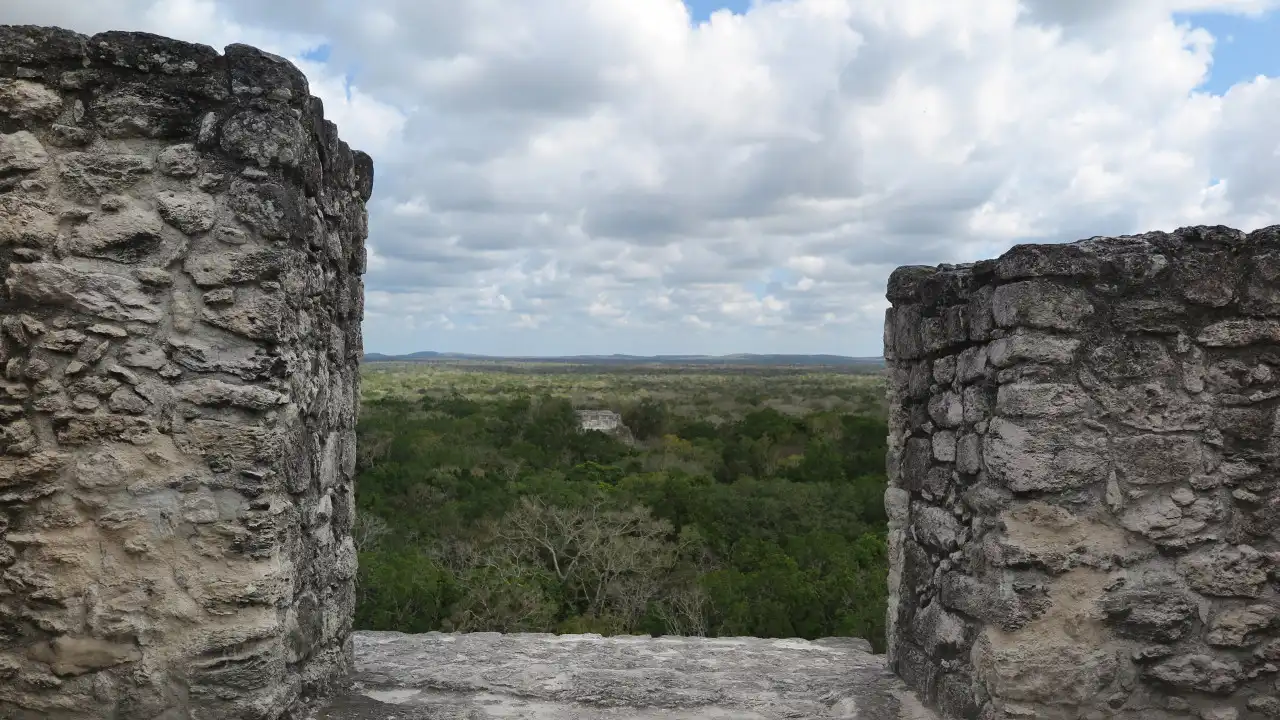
[647, 419]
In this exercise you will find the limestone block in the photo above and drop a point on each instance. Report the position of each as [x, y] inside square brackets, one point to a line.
[1239, 627]
[1032, 347]
[101, 295]
[1029, 457]
[1225, 571]
[1155, 610]
[128, 235]
[20, 152]
[1199, 673]
[1040, 304]
[88, 176]
[26, 100]
[191, 213]
[935, 527]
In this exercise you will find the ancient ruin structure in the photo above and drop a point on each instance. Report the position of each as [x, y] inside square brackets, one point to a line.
[1083, 505]
[602, 420]
[181, 244]
[1083, 460]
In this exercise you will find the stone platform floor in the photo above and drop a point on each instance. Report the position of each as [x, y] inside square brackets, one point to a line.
[478, 676]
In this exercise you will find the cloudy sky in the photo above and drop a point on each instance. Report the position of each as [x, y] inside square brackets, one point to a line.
[719, 176]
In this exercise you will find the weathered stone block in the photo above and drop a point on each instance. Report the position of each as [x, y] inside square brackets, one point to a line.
[21, 152]
[101, 295]
[1199, 673]
[935, 527]
[88, 176]
[1240, 627]
[1041, 400]
[1155, 611]
[1032, 347]
[1040, 304]
[192, 213]
[1226, 571]
[1051, 673]
[1027, 457]
[128, 235]
[1157, 459]
[1240, 332]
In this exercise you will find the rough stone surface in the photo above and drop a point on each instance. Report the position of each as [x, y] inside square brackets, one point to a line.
[1084, 511]
[176, 412]
[435, 676]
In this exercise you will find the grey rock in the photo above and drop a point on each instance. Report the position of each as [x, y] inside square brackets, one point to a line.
[265, 138]
[1130, 359]
[1041, 400]
[179, 160]
[1157, 459]
[944, 446]
[1156, 611]
[944, 370]
[1240, 332]
[1040, 304]
[947, 410]
[935, 527]
[21, 152]
[102, 295]
[257, 315]
[1008, 608]
[125, 400]
[266, 207]
[972, 364]
[974, 405]
[1024, 458]
[1149, 316]
[1032, 347]
[62, 341]
[1239, 627]
[143, 354]
[26, 221]
[192, 213]
[1261, 294]
[969, 454]
[582, 677]
[26, 100]
[91, 175]
[1225, 571]
[1166, 523]
[1202, 673]
[216, 393]
[129, 235]
[1208, 279]
[214, 269]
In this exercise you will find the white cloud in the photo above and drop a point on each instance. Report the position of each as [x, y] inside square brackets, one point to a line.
[603, 176]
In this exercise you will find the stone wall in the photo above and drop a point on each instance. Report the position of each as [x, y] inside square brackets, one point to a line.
[181, 244]
[602, 420]
[1083, 464]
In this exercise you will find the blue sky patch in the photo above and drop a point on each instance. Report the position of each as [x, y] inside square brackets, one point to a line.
[702, 9]
[772, 282]
[318, 54]
[1244, 47]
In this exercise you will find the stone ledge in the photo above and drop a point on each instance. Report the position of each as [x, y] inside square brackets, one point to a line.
[575, 677]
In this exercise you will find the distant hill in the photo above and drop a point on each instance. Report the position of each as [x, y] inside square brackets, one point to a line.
[735, 359]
